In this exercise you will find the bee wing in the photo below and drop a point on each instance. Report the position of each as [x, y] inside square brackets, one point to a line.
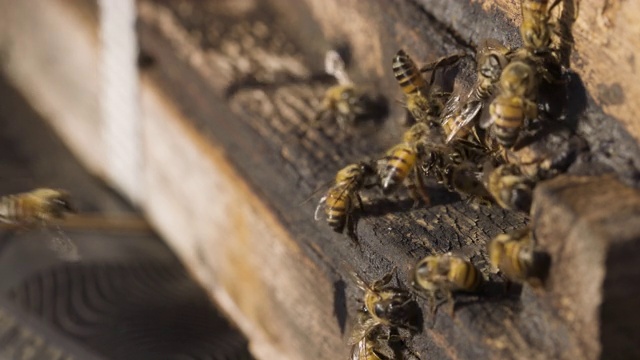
[60, 243]
[486, 121]
[315, 192]
[467, 113]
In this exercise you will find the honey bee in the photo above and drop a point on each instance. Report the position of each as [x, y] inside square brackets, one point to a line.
[514, 104]
[446, 274]
[509, 187]
[345, 102]
[536, 29]
[339, 200]
[399, 162]
[515, 255]
[386, 306]
[461, 110]
[422, 101]
[455, 167]
[368, 341]
[40, 207]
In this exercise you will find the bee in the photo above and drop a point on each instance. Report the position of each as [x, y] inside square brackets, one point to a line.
[339, 200]
[368, 341]
[461, 110]
[455, 167]
[536, 29]
[514, 104]
[386, 306]
[345, 102]
[509, 187]
[515, 255]
[399, 162]
[41, 207]
[422, 102]
[446, 273]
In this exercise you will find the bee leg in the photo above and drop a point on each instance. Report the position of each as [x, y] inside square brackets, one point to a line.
[360, 204]
[352, 229]
[417, 189]
[452, 304]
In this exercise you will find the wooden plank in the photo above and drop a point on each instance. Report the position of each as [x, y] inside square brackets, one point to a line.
[50, 51]
[241, 87]
[590, 226]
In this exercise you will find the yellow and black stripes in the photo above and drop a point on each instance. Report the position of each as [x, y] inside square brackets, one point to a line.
[407, 74]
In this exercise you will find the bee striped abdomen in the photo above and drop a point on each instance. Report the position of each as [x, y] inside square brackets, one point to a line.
[12, 209]
[407, 73]
[337, 207]
[466, 276]
[508, 113]
[399, 162]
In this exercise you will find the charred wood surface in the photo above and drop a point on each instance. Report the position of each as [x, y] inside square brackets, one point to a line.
[248, 76]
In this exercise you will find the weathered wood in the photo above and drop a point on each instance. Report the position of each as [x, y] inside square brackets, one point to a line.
[240, 89]
[590, 225]
[229, 93]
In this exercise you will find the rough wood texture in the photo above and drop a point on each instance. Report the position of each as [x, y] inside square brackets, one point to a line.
[590, 225]
[238, 85]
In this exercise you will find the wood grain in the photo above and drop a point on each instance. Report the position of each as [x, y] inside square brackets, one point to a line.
[245, 80]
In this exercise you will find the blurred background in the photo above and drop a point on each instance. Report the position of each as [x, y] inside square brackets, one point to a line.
[70, 118]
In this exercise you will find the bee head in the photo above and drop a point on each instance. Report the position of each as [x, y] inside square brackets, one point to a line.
[61, 204]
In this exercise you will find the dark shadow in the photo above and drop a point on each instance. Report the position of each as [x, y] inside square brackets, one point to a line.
[340, 303]
[576, 100]
[565, 23]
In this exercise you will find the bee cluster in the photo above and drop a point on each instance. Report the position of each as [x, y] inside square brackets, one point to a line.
[470, 141]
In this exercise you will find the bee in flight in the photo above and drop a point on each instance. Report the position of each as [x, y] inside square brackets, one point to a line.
[422, 102]
[509, 187]
[515, 255]
[40, 207]
[446, 274]
[345, 102]
[464, 106]
[339, 201]
[514, 104]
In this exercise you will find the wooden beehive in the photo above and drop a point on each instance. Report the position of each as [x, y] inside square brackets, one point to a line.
[227, 154]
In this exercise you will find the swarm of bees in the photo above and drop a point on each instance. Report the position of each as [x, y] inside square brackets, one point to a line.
[469, 140]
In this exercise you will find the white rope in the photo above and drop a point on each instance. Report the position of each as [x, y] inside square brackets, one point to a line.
[121, 121]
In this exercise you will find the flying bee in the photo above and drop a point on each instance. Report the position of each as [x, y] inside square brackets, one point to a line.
[509, 187]
[385, 305]
[461, 110]
[398, 165]
[514, 104]
[40, 207]
[422, 101]
[345, 102]
[339, 200]
[446, 274]
[515, 255]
